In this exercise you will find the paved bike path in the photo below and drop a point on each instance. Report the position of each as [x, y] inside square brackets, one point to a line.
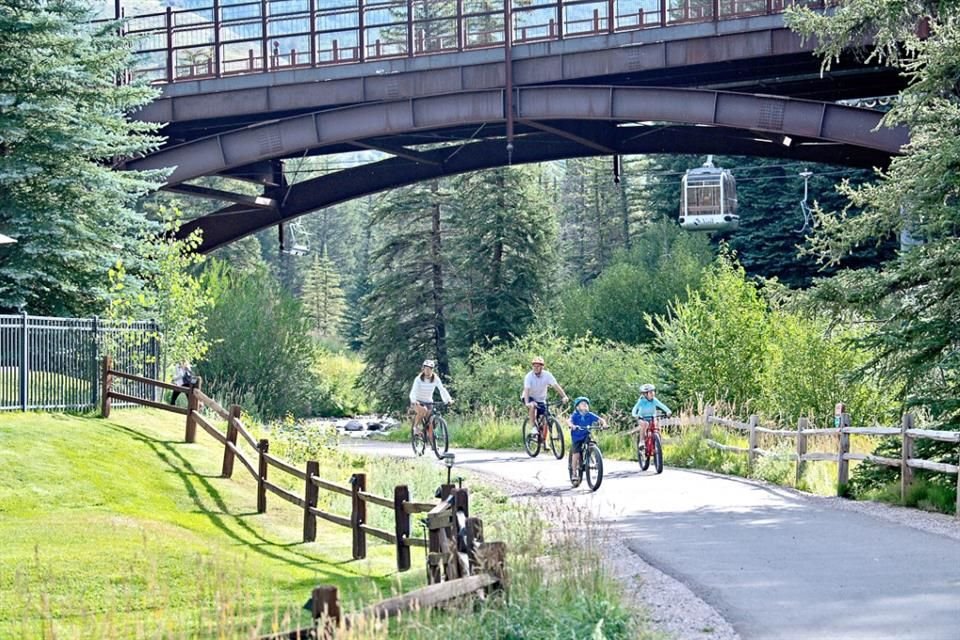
[776, 564]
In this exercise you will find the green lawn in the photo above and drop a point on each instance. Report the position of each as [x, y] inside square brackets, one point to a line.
[117, 528]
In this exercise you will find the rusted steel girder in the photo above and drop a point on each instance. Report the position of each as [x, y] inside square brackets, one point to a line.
[235, 222]
[284, 138]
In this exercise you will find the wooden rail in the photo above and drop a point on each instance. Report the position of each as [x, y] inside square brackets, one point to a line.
[262, 461]
[842, 456]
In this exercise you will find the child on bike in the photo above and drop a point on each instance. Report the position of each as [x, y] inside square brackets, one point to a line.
[647, 404]
[581, 420]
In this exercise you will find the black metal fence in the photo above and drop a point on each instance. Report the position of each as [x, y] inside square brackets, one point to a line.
[54, 363]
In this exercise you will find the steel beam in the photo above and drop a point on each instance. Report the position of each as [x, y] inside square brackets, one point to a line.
[570, 135]
[400, 152]
[260, 202]
[826, 122]
[233, 223]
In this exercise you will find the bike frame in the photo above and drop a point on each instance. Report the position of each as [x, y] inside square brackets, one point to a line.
[651, 430]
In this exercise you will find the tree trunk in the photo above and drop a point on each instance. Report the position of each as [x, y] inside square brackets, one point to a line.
[440, 326]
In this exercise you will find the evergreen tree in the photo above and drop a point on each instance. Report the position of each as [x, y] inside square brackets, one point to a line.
[62, 126]
[362, 286]
[322, 298]
[502, 251]
[407, 314]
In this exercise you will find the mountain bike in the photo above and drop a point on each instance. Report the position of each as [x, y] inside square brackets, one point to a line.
[591, 463]
[547, 431]
[433, 430]
[649, 446]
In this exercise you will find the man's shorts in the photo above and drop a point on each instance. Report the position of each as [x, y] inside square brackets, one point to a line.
[541, 406]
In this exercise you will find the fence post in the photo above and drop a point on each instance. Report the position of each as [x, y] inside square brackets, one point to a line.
[434, 556]
[263, 447]
[707, 414]
[493, 560]
[752, 441]
[802, 424]
[842, 421]
[228, 454]
[311, 493]
[107, 387]
[473, 533]
[906, 452]
[193, 404]
[325, 605]
[401, 495]
[24, 361]
[95, 381]
[358, 516]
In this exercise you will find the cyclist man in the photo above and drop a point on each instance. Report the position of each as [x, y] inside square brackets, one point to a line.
[580, 422]
[421, 393]
[647, 404]
[534, 395]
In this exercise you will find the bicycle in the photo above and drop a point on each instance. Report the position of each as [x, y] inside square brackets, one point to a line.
[649, 446]
[433, 430]
[548, 430]
[591, 463]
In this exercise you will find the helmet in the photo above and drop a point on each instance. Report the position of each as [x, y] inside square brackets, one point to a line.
[537, 360]
[429, 363]
[647, 387]
[581, 399]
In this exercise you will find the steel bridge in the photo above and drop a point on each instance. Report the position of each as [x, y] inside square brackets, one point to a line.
[442, 87]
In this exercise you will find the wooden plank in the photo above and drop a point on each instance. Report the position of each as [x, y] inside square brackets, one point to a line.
[242, 430]
[358, 515]
[427, 597]
[929, 465]
[789, 433]
[723, 447]
[285, 466]
[116, 395]
[418, 507]
[416, 542]
[439, 520]
[243, 460]
[375, 499]
[330, 486]
[873, 431]
[212, 404]
[156, 383]
[725, 422]
[776, 456]
[856, 456]
[819, 432]
[286, 495]
[386, 536]
[890, 462]
[819, 455]
[331, 517]
[216, 435]
[930, 434]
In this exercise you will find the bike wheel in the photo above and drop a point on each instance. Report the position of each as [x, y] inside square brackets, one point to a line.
[418, 441]
[642, 456]
[576, 475]
[657, 454]
[441, 438]
[531, 439]
[556, 438]
[594, 467]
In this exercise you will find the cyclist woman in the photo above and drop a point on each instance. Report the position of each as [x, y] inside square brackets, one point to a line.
[647, 404]
[581, 420]
[421, 393]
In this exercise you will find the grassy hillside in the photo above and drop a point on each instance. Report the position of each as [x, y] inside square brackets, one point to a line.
[116, 527]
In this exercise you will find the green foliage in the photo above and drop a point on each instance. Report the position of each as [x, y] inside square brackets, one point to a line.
[166, 290]
[338, 391]
[714, 342]
[63, 126]
[323, 298]
[664, 264]
[501, 254]
[607, 372]
[261, 355]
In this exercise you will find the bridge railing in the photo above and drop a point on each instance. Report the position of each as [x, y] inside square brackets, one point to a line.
[229, 38]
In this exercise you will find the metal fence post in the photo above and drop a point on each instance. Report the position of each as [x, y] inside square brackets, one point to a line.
[24, 362]
[94, 369]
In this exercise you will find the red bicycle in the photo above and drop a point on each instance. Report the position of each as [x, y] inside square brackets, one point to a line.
[649, 446]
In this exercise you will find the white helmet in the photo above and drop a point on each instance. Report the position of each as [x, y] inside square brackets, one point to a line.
[647, 387]
[429, 363]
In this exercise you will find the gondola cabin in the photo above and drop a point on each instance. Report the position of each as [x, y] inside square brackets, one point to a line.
[709, 199]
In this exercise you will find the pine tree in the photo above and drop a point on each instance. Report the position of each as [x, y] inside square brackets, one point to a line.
[504, 232]
[62, 127]
[322, 298]
[407, 314]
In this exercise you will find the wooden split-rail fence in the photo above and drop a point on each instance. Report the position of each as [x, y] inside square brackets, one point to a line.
[261, 462]
[906, 463]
